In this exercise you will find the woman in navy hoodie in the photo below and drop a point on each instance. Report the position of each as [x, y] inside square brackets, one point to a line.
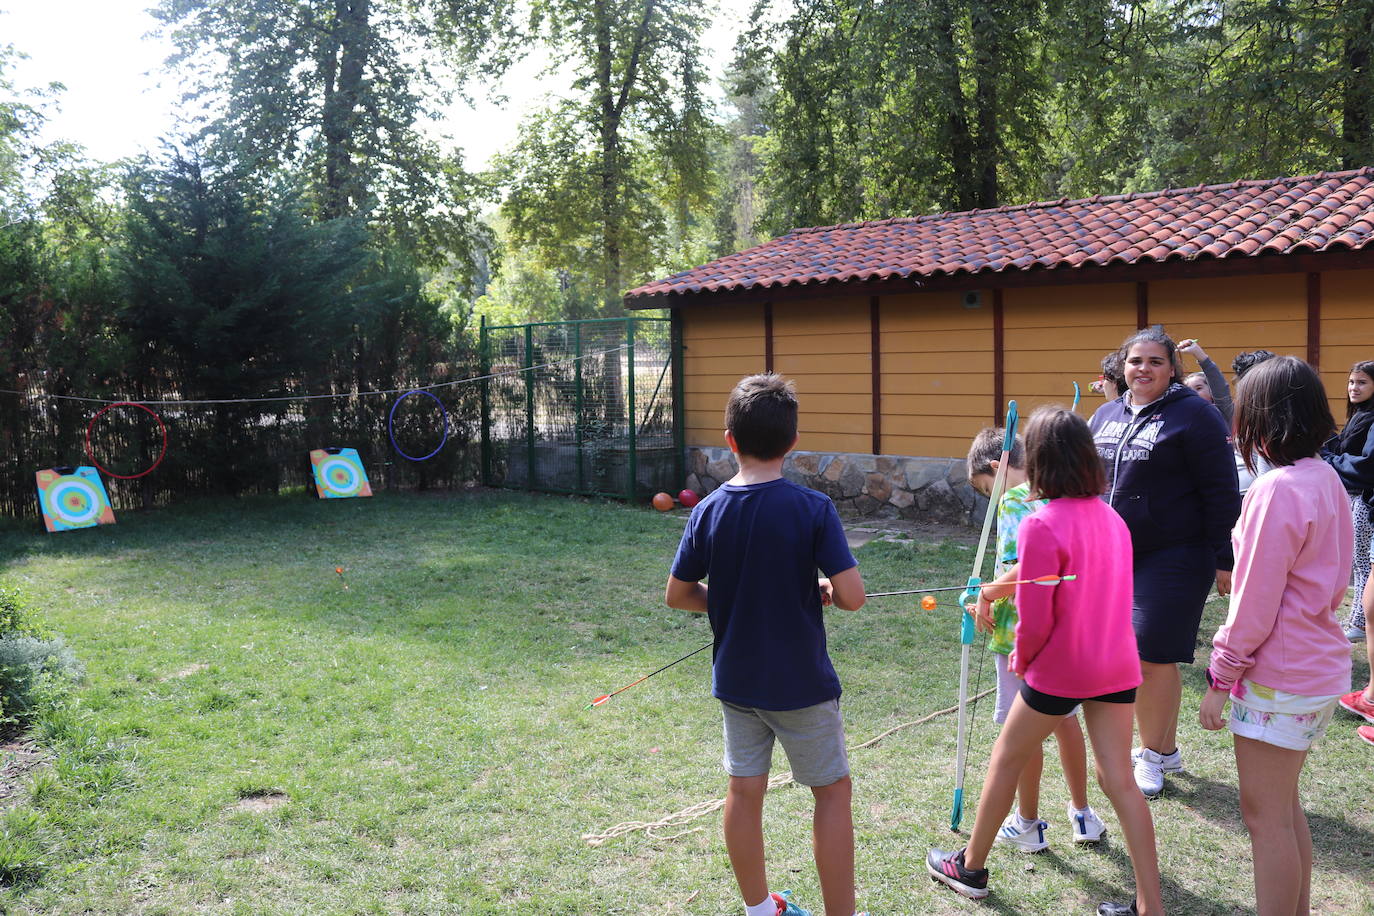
[1352, 455]
[1172, 478]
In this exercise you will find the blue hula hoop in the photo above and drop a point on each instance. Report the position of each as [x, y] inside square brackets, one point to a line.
[391, 425]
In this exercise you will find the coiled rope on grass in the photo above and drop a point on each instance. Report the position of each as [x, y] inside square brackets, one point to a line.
[701, 809]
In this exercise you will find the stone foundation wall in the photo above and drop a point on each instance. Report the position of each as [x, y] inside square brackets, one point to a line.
[866, 486]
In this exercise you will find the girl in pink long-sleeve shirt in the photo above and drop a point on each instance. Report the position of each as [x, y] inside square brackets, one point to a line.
[1281, 656]
[1074, 644]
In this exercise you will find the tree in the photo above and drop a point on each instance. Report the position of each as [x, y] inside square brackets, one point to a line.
[338, 89]
[627, 151]
[889, 109]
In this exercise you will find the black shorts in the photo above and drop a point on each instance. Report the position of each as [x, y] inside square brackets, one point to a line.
[1050, 705]
[1171, 586]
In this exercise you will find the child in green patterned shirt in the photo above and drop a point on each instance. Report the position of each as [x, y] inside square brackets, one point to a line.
[1023, 828]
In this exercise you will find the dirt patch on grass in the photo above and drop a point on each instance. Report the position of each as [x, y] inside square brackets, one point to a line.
[260, 802]
[18, 758]
[185, 672]
[892, 529]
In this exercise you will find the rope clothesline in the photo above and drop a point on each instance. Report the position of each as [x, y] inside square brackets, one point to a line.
[701, 809]
[316, 397]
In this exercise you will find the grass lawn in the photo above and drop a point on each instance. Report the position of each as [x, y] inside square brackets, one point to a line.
[252, 737]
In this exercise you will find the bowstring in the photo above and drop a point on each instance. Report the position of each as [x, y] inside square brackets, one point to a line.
[975, 694]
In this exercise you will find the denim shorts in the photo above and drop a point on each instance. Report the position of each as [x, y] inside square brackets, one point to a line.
[812, 737]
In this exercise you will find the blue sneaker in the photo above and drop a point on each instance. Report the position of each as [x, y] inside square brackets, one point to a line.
[786, 907]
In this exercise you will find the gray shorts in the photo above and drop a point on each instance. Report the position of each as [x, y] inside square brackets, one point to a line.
[812, 737]
[1008, 686]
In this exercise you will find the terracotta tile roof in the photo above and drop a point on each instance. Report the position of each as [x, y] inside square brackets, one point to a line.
[1326, 212]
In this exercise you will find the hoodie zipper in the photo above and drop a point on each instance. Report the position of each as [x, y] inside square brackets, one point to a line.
[1121, 447]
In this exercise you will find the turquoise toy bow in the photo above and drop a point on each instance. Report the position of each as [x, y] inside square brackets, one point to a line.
[966, 627]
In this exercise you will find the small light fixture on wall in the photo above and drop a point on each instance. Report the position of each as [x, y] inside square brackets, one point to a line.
[973, 299]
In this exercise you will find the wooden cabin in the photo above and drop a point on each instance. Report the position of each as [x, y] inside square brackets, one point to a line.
[906, 336]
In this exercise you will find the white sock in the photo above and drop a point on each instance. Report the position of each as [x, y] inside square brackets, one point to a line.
[1023, 822]
[769, 907]
[1077, 811]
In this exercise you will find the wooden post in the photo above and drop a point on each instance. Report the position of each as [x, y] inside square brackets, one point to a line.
[999, 393]
[876, 348]
[768, 337]
[1314, 319]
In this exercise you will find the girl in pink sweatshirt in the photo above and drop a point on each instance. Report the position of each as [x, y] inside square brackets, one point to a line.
[1074, 645]
[1281, 656]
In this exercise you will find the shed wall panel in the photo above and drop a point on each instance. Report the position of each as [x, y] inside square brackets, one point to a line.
[825, 347]
[937, 366]
[1231, 314]
[1347, 335]
[1057, 335]
[721, 346]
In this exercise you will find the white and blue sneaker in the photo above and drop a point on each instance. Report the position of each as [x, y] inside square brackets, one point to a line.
[1027, 836]
[1087, 826]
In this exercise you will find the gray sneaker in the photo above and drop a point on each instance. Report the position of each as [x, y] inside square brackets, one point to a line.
[1354, 633]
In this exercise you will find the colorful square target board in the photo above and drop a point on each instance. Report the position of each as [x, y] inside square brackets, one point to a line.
[73, 500]
[339, 473]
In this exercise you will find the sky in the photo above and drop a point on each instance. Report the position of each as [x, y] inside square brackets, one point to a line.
[118, 101]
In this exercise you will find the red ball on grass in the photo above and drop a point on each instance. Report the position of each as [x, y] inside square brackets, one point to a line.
[688, 498]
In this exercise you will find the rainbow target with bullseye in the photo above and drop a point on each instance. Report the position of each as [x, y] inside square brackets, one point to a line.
[73, 498]
[339, 473]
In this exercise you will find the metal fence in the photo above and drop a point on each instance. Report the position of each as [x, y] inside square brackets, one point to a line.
[586, 407]
[257, 446]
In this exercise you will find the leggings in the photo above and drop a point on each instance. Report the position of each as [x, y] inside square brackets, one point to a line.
[1363, 530]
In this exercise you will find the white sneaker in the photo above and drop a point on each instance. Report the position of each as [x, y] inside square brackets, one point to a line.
[1173, 763]
[1031, 839]
[1149, 773]
[1087, 826]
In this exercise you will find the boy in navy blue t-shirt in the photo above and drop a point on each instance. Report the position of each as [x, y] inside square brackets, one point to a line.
[760, 539]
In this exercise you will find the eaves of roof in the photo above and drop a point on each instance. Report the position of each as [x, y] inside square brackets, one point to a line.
[1256, 226]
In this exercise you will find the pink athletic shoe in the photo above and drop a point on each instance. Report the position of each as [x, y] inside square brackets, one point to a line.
[1356, 703]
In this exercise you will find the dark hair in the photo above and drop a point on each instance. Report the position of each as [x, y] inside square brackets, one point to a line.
[987, 448]
[1281, 412]
[1154, 335]
[1061, 458]
[1113, 371]
[1367, 367]
[762, 415]
[1244, 362]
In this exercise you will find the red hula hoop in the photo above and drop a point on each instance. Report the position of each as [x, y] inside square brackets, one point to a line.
[160, 425]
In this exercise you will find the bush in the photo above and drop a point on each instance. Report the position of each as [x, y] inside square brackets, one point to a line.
[27, 665]
[16, 616]
[30, 659]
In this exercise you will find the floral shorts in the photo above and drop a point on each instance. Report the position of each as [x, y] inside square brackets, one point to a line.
[1282, 719]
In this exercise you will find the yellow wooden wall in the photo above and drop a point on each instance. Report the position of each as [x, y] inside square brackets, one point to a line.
[937, 360]
[826, 345]
[1231, 314]
[937, 381]
[1054, 336]
[1347, 330]
[722, 344]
